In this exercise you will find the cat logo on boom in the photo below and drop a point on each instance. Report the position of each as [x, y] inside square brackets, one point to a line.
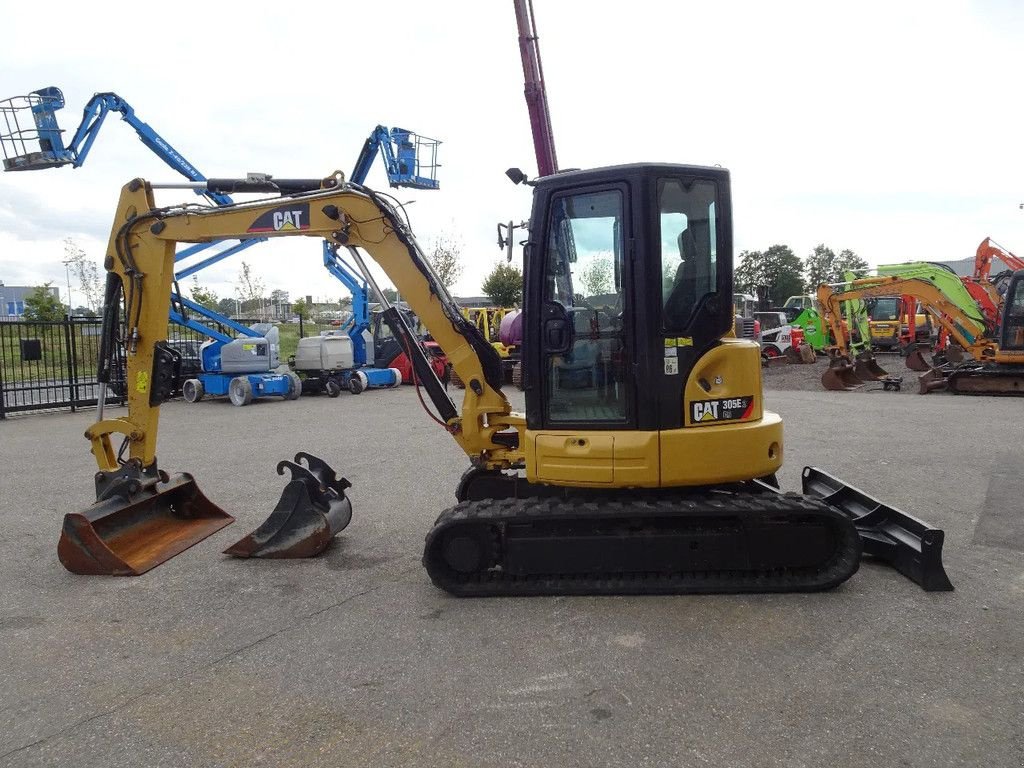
[283, 218]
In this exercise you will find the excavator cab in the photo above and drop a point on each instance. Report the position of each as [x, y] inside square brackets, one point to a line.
[1011, 335]
[630, 294]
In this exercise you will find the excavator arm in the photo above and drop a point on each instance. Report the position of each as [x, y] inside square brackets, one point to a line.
[989, 249]
[968, 331]
[141, 254]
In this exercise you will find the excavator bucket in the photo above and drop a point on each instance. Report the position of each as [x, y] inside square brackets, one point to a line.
[868, 369]
[915, 360]
[840, 376]
[312, 509]
[141, 519]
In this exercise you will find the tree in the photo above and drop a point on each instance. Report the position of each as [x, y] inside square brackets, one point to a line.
[227, 307]
[596, 277]
[250, 286]
[42, 306]
[778, 271]
[504, 285]
[87, 273]
[823, 266]
[204, 297]
[819, 266]
[446, 259]
[848, 261]
[301, 309]
[390, 294]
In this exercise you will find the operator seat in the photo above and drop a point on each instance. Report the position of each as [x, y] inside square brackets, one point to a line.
[683, 296]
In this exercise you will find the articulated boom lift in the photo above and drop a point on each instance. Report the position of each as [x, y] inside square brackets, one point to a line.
[644, 462]
[410, 161]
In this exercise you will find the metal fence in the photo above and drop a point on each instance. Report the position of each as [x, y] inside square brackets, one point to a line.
[52, 366]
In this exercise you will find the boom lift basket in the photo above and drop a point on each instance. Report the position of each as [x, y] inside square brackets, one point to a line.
[140, 520]
[416, 157]
[29, 135]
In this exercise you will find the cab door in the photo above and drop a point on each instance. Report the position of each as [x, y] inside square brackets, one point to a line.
[585, 380]
[1011, 337]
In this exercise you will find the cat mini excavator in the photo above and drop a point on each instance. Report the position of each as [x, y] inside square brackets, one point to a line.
[644, 463]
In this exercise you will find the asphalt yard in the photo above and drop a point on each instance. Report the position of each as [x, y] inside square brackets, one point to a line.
[355, 659]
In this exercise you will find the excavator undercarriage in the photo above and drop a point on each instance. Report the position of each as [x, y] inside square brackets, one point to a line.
[508, 536]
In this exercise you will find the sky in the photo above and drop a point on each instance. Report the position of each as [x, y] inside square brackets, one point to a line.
[890, 128]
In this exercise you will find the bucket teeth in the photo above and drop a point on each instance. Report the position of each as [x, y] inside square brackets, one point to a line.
[312, 509]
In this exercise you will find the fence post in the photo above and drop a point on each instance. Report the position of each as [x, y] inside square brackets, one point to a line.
[72, 368]
[302, 333]
[3, 397]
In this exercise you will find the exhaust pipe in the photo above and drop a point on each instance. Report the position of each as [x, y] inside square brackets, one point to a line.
[312, 509]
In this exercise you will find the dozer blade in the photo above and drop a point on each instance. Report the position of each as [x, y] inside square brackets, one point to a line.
[840, 376]
[141, 519]
[867, 368]
[933, 381]
[915, 360]
[312, 509]
[910, 545]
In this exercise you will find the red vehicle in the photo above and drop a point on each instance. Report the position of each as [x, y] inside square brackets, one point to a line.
[388, 352]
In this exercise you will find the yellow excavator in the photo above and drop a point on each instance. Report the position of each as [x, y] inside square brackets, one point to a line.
[996, 366]
[645, 460]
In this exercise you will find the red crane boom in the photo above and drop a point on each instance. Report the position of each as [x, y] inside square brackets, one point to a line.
[535, 92]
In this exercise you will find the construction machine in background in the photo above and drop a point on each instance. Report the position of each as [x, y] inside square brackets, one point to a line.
[658, 476]
[996, 364]
[489, 321]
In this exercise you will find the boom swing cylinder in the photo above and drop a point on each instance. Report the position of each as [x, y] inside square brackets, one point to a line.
[635, 466]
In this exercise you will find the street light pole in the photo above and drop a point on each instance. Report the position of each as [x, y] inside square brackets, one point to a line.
[67, 274]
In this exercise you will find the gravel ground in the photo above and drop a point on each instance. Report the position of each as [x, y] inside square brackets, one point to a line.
[807, 378]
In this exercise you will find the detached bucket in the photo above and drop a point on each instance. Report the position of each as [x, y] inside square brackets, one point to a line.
[839, 376]
[915, 360]
[312, 509]
[868, 369]
[142, 519]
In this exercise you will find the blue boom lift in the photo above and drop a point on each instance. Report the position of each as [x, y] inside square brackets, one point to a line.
[409, 160]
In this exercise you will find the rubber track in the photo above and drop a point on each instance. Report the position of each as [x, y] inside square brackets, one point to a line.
[492, 515]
